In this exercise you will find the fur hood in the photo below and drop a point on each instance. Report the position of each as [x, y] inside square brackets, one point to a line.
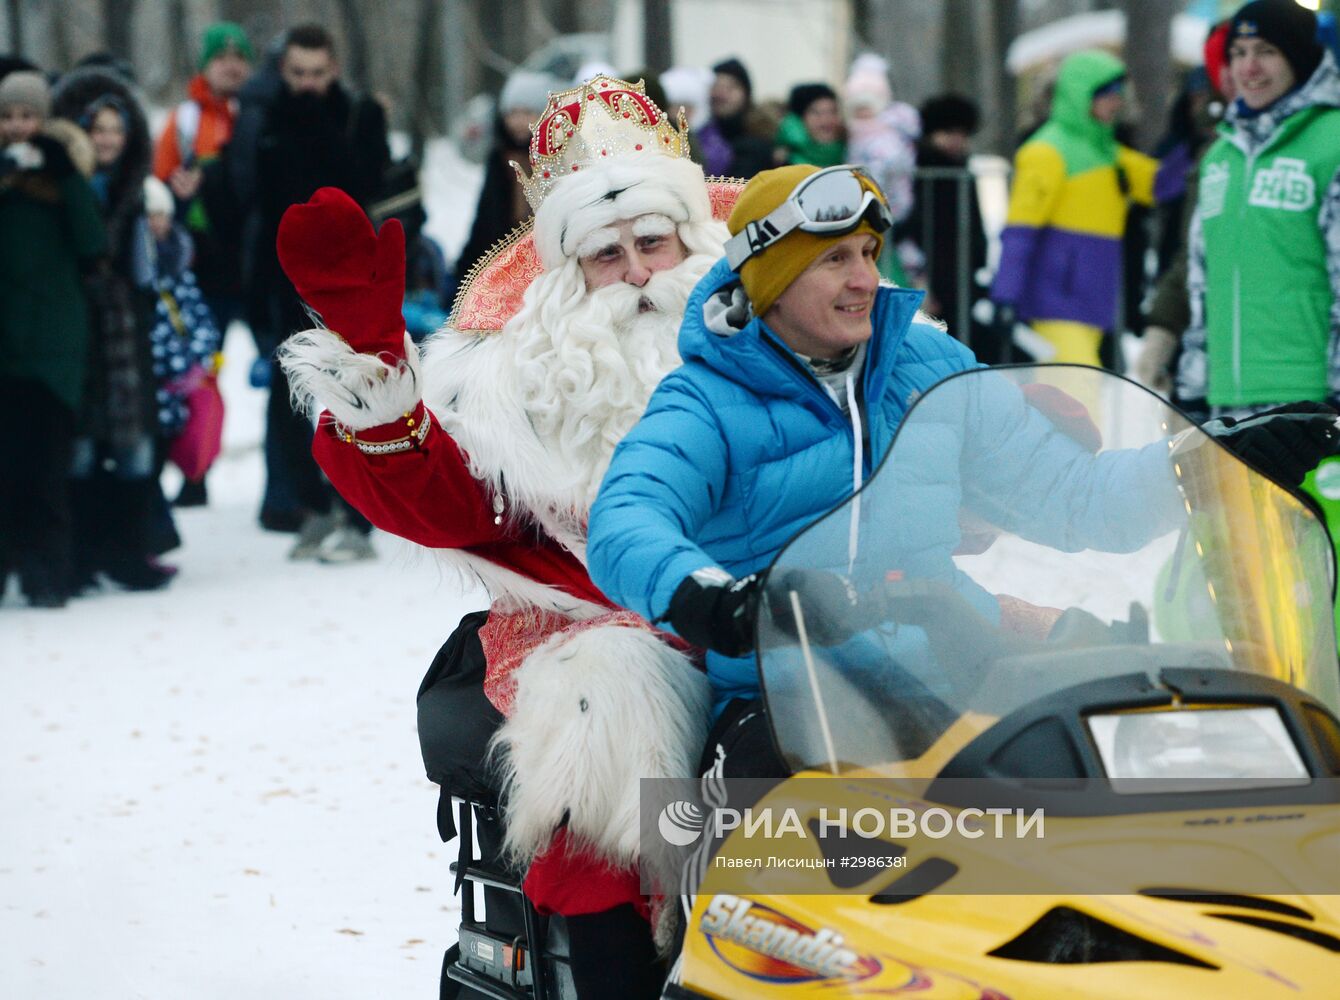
[43, 183]
[70, 99]
[77, 144]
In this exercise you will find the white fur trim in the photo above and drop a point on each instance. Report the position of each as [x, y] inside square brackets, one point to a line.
[595, 712]
[929, 320]
[622, 188]
[510, 591]
[359, 390]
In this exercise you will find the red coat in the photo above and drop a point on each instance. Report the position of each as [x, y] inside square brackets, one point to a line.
[428, 496]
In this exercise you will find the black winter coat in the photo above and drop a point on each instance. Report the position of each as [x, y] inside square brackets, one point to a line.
[50, 229]
[119, 407]
[495, 215]
[308, 142]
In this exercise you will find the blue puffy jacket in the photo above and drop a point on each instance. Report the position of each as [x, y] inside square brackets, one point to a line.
[741, 447]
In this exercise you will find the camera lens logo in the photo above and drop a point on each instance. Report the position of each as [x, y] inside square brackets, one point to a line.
[680, 823]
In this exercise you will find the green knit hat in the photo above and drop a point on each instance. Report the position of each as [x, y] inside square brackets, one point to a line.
[221, 36]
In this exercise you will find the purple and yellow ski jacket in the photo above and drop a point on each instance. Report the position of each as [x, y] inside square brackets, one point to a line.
[1061, 248]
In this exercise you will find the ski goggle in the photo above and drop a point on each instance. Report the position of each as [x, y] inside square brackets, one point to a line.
[830, 202]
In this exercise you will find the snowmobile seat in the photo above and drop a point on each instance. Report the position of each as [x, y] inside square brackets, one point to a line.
[456, 719]
[493, 956]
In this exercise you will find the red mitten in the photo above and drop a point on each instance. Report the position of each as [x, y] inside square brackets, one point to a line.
[1067, 414]
[351, 275]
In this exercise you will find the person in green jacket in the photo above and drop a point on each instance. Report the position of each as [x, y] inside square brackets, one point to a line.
[49, 226]
[1263, 258]
[812, 130]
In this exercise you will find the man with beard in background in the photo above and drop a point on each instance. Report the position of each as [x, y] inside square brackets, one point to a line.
[501, 465]
[315, 134]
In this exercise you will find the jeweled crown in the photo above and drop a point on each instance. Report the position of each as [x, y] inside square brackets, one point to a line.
[599, 119]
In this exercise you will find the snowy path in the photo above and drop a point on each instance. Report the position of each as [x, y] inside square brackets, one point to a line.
[216, 791]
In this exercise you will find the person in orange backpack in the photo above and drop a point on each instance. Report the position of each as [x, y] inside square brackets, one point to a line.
[188, 149]
[199, 127]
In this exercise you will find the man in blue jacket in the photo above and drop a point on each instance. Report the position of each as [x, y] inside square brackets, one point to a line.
[798, 368]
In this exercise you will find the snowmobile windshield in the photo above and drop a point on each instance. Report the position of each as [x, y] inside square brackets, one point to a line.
[1029, 530]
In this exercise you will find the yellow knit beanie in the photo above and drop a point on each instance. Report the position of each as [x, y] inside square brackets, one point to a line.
[767, 275]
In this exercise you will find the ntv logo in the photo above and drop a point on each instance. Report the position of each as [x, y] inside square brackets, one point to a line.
[1285, 184]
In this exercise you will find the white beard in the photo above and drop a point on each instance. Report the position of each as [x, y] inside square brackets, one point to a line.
[539, 407]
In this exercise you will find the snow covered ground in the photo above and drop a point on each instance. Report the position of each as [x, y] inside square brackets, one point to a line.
[215, 791]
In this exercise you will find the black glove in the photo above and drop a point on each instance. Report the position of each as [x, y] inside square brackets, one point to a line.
[1285, 443]
[716, 612]
[1196, 410]
[1078, 629]
[56, 160]
[830, 604]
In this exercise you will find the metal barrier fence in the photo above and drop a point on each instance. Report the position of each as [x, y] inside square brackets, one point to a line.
[944, 219]
[967, 283]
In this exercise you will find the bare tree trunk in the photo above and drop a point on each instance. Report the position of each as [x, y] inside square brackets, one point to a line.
[60, 39]
[180, 44]
[14, 22]
[464, 65]
[862, 17]
[1148, 34]
[261, 19]
[118, 18]
[508, 32]
[657, 47]
[425, 116]
[907, 34]
[962, 61]
[594, 15]
[565, 16]
[538, 28]
[1004, 27]
[356, 42]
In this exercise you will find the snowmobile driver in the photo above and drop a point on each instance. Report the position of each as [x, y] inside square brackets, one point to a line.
[798, 368]
[489, 447]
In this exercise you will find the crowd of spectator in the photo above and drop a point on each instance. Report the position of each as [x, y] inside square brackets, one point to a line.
[133, 254]
[122, 261]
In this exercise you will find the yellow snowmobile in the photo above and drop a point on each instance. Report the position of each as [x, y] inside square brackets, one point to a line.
[1011, 777]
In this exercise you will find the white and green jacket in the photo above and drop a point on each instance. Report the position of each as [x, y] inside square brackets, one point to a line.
[1263, 272]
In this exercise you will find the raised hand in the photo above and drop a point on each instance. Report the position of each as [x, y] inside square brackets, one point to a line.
[349, 274]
